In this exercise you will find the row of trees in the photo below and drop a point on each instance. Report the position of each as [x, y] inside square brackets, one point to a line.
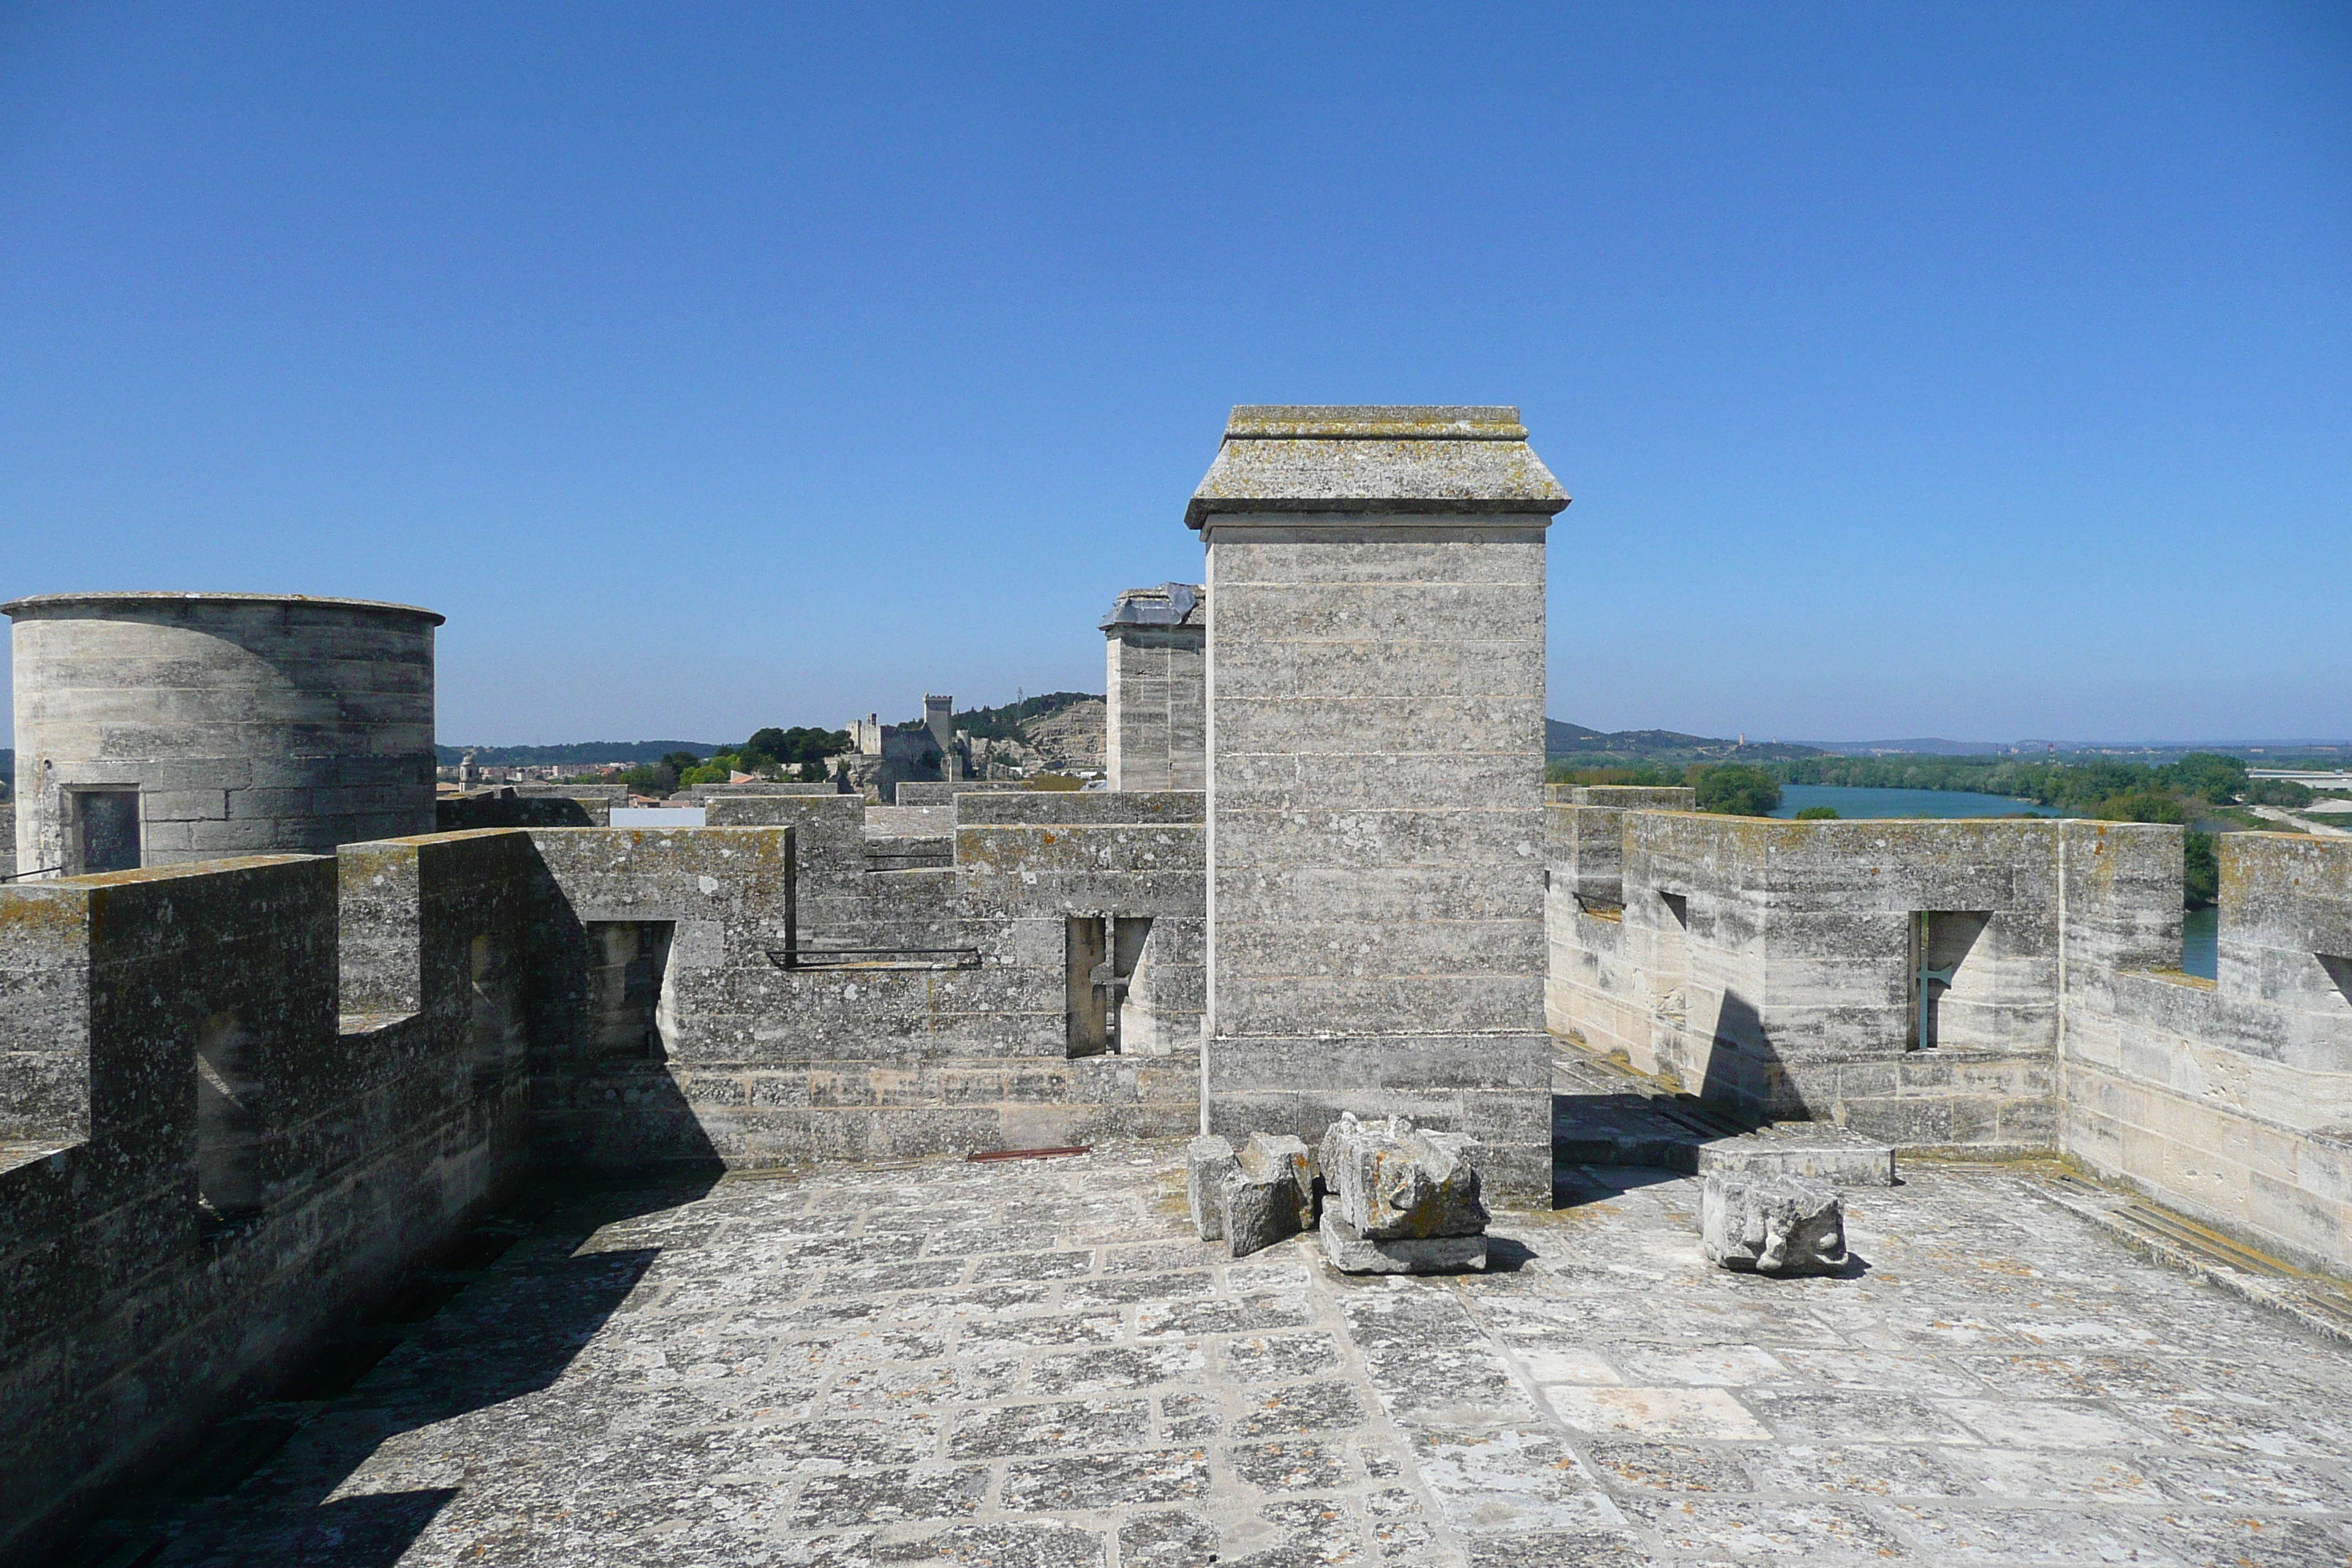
[2181, 792]
[796, 754]
[2087, 788]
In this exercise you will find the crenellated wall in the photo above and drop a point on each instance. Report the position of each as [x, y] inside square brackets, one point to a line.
[2231, 1099]
[239, 1100]
[206, 1168]
[1777, 966]
[929, 1009]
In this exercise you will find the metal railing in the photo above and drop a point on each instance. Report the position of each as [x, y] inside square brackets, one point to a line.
[874, 957]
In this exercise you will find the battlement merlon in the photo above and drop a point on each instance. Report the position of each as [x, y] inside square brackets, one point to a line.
[1411, 460]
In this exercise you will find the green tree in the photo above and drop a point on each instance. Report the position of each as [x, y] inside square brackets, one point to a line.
[2140, 805]
[2208, 774]
[2275, 792]
[1817, 814]
[651, 778]
[2200, 881]
[1733, 789]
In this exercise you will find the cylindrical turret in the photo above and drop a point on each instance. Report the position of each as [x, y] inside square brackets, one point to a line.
[154, 729]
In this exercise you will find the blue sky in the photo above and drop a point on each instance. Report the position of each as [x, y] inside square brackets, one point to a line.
[1977, 370]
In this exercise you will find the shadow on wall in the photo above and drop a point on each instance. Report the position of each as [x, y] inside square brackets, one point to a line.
[1743, 1067]
[603, 1000]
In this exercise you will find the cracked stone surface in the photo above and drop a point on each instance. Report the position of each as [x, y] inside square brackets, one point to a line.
[850, 1368]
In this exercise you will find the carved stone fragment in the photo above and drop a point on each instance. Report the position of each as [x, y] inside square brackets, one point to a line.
[1208, 1159]
[1270, 1194]
[1390, 1180]
[1773, 1225]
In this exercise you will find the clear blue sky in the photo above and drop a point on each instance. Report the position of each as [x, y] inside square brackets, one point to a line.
[1978, 370]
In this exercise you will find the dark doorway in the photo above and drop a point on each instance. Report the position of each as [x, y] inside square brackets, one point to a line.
[101, 830]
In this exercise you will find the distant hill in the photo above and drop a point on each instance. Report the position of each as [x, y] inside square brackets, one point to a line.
[583, 752]
[1011, 721]
[1928, 746]
[1582, 747]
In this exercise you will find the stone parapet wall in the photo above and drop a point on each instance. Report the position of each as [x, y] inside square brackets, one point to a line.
[1771, 965]
[910, 1048]
[2230, 1099]
[216, 1172]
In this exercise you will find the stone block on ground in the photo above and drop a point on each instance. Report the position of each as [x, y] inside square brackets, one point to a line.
[1269, 1195]
[1208, 1159]
[1808, 1150]
[1773, 1225]
[1352, 1252]
[1389, 1180]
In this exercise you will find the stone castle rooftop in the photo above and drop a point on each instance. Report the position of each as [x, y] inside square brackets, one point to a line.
[1033, 1363]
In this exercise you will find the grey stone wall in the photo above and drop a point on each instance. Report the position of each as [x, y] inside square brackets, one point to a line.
[246, 723]
[2229, 1100]
[904, 1046]
[1773, 964]
[1376, 695]
[502, 808]
[216, 1170]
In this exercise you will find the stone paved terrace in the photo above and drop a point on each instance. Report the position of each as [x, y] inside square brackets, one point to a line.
[1031, 1365]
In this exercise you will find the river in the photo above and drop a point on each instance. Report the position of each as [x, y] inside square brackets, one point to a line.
[1850, 801]
[2200, 951]
[2199, 954]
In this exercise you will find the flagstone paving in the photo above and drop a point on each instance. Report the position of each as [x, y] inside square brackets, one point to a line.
[1032, 1364]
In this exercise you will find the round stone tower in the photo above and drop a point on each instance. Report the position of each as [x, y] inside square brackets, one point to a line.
[154, 729]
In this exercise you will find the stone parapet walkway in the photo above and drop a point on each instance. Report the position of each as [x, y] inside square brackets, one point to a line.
[1031, 1365]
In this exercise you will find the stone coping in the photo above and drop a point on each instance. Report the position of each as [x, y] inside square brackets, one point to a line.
[40, 604]
[1408, 422]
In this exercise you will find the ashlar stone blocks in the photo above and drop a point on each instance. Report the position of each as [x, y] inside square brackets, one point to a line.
[1376, 698]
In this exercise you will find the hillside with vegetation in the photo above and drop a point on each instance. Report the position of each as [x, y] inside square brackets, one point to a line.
[582, 753]
[2202, 787]
[1574, 746]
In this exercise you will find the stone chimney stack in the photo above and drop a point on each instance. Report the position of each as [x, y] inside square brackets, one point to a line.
[1375, 678]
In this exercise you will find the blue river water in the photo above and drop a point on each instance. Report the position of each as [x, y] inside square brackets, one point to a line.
[2200, 947]
[2199, 954]
[1867, 803]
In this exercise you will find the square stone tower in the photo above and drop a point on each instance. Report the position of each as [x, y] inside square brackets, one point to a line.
[1376, 755]
[1154, 684]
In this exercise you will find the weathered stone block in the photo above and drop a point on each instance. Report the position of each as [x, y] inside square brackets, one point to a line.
[1353, 1252]
[1775, 1225]
[1269, 1194]
[1208, 1161]
[1389, 1180]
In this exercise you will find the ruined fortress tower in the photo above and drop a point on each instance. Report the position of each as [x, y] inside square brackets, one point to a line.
[1375, 674]
[158, 728]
